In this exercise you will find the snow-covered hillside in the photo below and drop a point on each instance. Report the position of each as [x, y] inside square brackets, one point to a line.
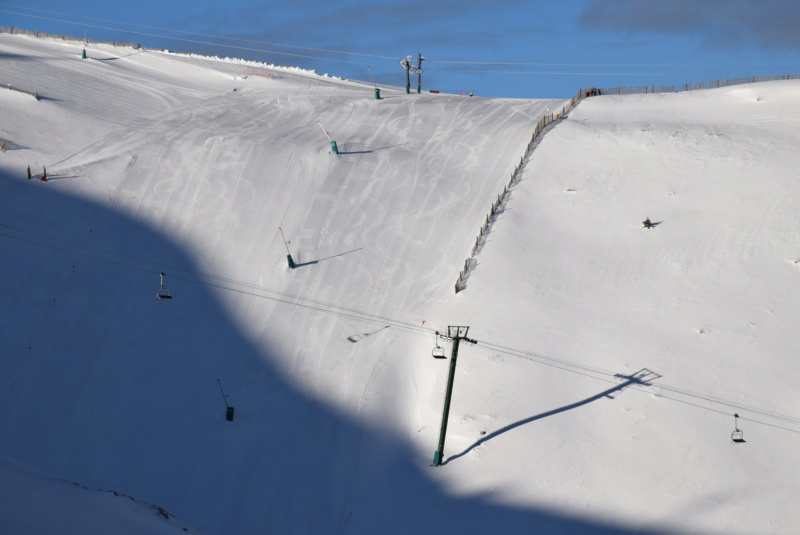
[33, 503]
[610, 361]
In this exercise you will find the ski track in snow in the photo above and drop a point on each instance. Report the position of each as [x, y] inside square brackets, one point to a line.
[181, 164]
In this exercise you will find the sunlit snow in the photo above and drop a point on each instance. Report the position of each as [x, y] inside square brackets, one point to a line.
[610, 358]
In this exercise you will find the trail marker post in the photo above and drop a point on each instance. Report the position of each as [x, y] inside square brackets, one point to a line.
[334, 148]
[456, 334]
[228, 408]
[377, 91]
[289, 258]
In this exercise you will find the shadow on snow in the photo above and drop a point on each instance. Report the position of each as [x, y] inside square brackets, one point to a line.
[108, 386]
[641, 378]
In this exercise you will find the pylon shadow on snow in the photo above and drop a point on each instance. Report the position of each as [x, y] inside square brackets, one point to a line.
[113, 58]
[59, 177]
[10, 145]
[641, 378]
[365, 151]
[44, 97]
[358, 337]
[17, 57]
[312, 262]
[309, 450]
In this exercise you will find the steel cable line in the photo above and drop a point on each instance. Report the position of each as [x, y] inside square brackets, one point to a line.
[345, 52]
[561, 363]
[471, 71]
[613, 378]
[283, 297]
[556, 64]
[289, 299]
[190, 33]
[195, 41]
[333, 51]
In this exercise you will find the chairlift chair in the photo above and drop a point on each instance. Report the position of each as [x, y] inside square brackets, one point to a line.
[163, 290]
[737, 436]
[438, 351]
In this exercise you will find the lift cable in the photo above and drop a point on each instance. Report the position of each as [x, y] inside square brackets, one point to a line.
[185, 32]
[196, 41]
[295, 300]
[361, 54]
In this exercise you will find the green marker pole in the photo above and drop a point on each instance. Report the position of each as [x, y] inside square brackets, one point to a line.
[289, 258]
[334, 148]
[377, 91]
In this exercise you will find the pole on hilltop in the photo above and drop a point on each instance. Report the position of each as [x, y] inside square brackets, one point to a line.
[419, 73]
[377, 91]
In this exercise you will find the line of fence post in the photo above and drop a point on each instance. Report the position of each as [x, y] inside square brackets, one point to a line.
[548, 119]
[502, 198]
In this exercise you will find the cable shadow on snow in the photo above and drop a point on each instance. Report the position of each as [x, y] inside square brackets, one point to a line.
[59, 177]
[642, 378]
[118, 434]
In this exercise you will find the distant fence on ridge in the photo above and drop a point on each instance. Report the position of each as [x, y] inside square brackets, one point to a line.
[648, 89]
[19, 31]
[471, 261]
[500, 202]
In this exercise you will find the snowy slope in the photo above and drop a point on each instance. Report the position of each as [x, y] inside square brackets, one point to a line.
[159, 162]
[703, 307]
[32, 503]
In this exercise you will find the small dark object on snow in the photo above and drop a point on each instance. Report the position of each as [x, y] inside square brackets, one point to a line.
[647, 223]
[29, 172]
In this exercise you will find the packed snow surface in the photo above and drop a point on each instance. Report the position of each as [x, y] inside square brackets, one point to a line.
[35, 504]
[610, 359]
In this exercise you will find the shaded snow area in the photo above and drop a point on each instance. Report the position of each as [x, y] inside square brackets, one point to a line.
[34, 504]
[610, 359]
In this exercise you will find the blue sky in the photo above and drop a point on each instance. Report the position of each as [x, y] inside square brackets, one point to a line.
[506, 48]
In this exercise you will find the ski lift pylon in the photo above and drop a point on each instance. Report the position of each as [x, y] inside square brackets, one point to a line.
[737, 437]
[163, 290]
[438, 351]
